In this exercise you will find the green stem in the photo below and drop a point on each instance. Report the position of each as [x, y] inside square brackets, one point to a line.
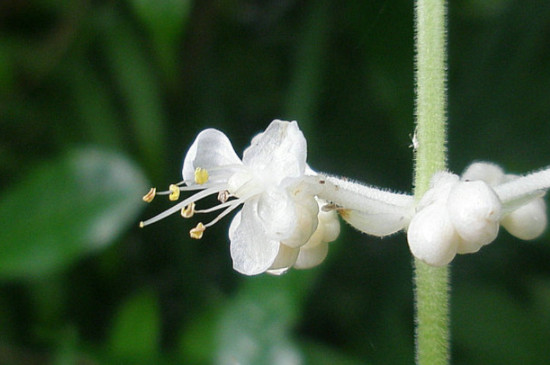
[431, 283]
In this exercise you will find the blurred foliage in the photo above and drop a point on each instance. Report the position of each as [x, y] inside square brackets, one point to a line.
[99, 97]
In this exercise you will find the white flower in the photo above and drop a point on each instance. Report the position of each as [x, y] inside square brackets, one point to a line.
[280, 224]
[462, 215]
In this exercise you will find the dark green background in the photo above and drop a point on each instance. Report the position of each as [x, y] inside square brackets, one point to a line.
[99, 100]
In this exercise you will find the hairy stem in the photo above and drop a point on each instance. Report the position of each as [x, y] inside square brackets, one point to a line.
[431, 283]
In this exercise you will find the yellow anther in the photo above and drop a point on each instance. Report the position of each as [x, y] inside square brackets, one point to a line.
[196, 232]
[201, 176]
[174, 192]
[150, 195]
[141, 224]
[188, 210]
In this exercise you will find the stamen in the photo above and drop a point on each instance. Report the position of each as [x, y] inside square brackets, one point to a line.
[223, 196]
[150, 195]
[188, 211]
[197, 232]
[174, 192]
[201, 176]
[204, 193]
[221, 215]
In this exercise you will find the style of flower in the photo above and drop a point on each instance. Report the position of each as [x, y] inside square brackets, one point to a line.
[461, 215]
[281, 224]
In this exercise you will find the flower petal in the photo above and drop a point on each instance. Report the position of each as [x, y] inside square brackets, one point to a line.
[286, 257]
[211, 149]
[306, 220]
[277, 213]
[316, 249]
[252, 252]
[281, 150]
[313, 256]
[330, 225]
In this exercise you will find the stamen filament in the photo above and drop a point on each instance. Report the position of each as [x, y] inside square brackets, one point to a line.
[225, 212]
[183, 188]
[202, 194]
[220, 206]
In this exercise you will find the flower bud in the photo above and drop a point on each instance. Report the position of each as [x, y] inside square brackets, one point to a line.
[431, 235]
[527, 222]
[485, 171]
[474, 210]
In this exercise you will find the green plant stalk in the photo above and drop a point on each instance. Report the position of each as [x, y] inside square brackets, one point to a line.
[431, 283]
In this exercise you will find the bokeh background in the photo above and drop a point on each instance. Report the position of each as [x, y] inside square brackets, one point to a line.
[99, 100]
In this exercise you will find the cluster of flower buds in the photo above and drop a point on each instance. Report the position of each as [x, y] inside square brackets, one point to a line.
[463, 214]
[288, 213]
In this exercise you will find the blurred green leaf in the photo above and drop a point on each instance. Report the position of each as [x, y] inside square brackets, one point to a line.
[138, 85]
[96, 111]
[65, 209]
[256, 325]
[197, 342]
[135, 333]
[6, 67]
[490, 327]
[319, 354]
[302, 100]
[165, 18]
[165, 21]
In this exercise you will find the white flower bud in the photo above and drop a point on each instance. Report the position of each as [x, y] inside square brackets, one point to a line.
[475, 211]
[527, 222]
[432, 237]
[485, 171]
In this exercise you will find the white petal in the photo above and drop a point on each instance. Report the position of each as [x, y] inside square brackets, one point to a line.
[306, 220]
[211, 149]
[527, 222]
[330, 225]
[281, 150]
[277, 272]
[475, 211]
[252, 252]
[286, 257]
[310, 257]
[485, 171]
[277, 213]
[432, 237]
